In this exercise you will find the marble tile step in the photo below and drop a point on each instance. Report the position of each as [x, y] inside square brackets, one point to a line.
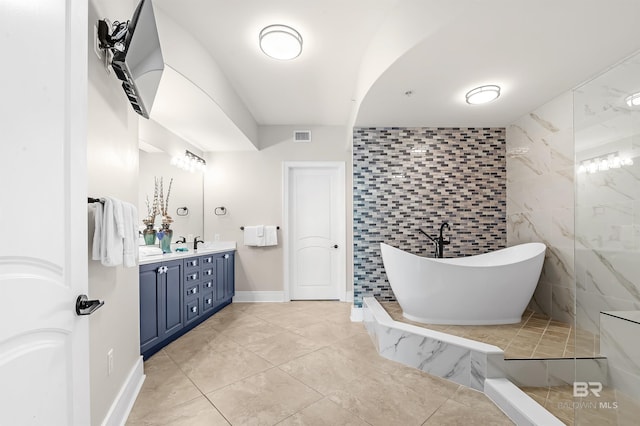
[473, 364]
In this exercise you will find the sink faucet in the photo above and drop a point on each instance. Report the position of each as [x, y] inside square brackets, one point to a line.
[182, 240]
[439, 241]
[196, 241]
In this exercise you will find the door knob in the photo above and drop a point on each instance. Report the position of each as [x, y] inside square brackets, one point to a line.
[335, 246]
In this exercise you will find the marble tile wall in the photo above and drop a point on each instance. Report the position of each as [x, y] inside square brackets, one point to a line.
[607, 241]
[540, 199]
[608, 201]
[410, 178]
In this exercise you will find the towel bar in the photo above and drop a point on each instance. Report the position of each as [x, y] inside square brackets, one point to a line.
[242, 228]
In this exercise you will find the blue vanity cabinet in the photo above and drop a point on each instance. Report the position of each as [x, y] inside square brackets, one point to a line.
[229, 277]
[177, 295]
[161, 288]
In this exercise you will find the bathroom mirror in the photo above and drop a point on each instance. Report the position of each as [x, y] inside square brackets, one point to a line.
[185, 203]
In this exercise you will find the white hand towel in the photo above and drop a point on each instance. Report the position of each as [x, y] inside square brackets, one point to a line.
[130, 249]
[111, 244]
[97, 232]
[251, 237]
[260, 231]
[271, 235]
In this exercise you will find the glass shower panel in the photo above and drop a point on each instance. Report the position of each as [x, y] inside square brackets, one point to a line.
[607, 246]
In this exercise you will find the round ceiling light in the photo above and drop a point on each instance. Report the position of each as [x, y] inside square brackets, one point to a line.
[483, 94]
[280, 42]
[633, 100]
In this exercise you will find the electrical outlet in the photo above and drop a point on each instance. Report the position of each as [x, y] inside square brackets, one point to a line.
[110, 362]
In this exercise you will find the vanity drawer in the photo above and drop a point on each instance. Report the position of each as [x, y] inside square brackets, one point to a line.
[207, 272]
[192, 310]
[207, 301]
[191, 290]
[191, 277]
[208, 285]
[206, 261]
[192, 263]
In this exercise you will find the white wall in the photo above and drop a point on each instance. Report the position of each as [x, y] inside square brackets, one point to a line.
[112, 157]
[249, 185]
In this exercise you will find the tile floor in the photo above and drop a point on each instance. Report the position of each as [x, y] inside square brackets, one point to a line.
[297, 363]
[536, 336]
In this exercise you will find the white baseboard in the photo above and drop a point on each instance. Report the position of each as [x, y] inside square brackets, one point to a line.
[258, 296]
[357, 314]
[122, 405]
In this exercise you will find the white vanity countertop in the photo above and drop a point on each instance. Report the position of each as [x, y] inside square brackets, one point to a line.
[204, 248]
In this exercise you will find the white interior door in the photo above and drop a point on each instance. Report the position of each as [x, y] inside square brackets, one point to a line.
[316, 231]
[44, 367]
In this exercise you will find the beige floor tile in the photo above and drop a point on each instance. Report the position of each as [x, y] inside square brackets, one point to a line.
[282, 347]
[474, 399]
[328, 332]
[323, 413]
[200, 340]
[359, 347]
[164, 386]
[224, 320]
[250, 333]
[296, 319]
[324, 370]
[213, 370]
[453, 413]
[423, 383]
[197, 412]
[262, 309]
[388, 403]
[263, 399]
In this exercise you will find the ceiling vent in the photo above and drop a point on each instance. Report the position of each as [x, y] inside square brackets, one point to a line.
[302, 135]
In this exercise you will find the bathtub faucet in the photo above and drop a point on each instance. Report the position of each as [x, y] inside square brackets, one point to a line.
[439, 241]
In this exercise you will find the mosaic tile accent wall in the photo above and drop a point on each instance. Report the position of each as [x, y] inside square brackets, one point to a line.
[405, 179]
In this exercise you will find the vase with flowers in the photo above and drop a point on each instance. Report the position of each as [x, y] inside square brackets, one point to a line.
[167, 232]
[159, 206]
[149, 221]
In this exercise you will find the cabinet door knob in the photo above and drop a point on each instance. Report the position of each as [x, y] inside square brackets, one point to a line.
[194, 309]
[226, 256]
[208, 301]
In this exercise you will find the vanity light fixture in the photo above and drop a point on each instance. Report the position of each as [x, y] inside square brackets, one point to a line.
[633, 100]
[483, 94]
[603, 163]
[189, 161]
[280, 42]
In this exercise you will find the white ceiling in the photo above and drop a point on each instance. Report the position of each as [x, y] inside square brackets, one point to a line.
[360, 56]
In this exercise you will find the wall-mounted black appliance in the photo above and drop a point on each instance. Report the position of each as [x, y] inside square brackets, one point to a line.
[137, 56]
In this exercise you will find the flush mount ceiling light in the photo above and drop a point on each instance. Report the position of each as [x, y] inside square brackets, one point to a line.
[483, 94]
[280, 42]
[633, 100]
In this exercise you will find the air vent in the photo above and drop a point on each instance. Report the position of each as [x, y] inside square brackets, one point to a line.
[302, 136]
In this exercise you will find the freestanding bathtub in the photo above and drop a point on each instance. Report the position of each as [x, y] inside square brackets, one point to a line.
[491, 288]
